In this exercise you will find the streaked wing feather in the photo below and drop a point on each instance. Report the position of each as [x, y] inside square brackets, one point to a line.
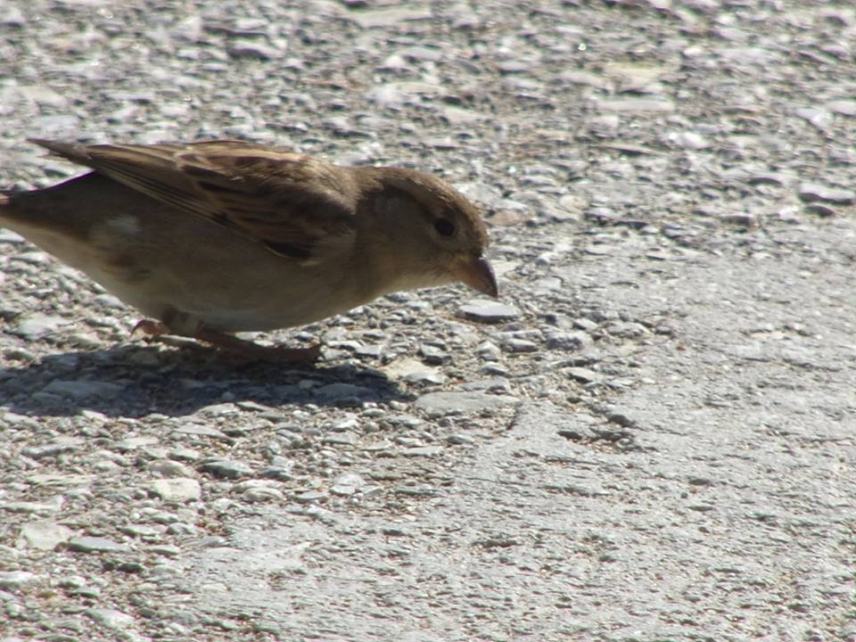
[297, 206]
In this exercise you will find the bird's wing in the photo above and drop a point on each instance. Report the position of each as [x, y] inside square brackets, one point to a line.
[297, 206]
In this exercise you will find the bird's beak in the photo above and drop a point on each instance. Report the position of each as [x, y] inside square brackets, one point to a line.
[477, 273]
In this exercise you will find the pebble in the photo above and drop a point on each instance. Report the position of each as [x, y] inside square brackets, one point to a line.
[636, 105]
[819, 118]
[688, 140]
[517, 345]
[83, 389]
[444, 403]
[44, 535]
[487, 311]
[57, 447]
[177, 489]
[133, 443]
[340, 391]
[583, 375]
[627, 329]
[259, 490]
[184, 454]
[422, 451]
[311, 496]
[225, 468]
[340, 438]
[842, 107]
[111, 618]
[498, 384]
[170, 468]
[488, 351]
[34, 507]
[414, 371]
[15, 580]
[249, 48]
[389, 17]
[12, 17]
[811, 192]
[405, 421]
[34, 326]
[572, 341]
[202, 431]
[87, 544]
[433, 355]
[821, 209]
[347, 484]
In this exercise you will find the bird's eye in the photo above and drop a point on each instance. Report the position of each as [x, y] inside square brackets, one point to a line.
[444, 227]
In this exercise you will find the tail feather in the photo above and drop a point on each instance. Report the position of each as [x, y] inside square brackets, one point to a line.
[72, 151]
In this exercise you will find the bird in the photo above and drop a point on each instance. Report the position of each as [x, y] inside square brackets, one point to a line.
[207, 239]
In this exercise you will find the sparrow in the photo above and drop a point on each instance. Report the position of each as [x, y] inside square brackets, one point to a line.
[207, 239]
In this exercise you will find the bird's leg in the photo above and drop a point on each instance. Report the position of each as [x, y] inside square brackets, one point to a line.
[252, 350]
[162, 332]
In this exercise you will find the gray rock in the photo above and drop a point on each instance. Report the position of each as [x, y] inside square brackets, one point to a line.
[433, 355]
[388, 17]
[201, 431]
[347, 484]
[170, 468]
[87, 544]
[259, 490]
[111, 618]
[820, 118]
[444, 403]
[518, 345]
[82, 389]
[225, 468]
[41, 508]
[422, 451]
[344, 438]
[12, 17]
[636, 105]
[252, 48]
[133, 443]
[488, 311]
[688, 140]
[414, 371]
[583, 375]
[570, 341]
[811, 192]
[627, 329]
[311, 496]
[842, 107]
[57, 447]
[389, 96]
[34, 326]
[340, 391]
[489, 351]
[16, 580]
[44, 535]
[176, 489]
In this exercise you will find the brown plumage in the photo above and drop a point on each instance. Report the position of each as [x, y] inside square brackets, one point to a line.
[224, 236]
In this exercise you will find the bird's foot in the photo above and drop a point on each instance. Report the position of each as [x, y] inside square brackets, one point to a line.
[162, 333]
[248, 349]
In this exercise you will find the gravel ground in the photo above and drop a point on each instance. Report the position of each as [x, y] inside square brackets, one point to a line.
[650, 438]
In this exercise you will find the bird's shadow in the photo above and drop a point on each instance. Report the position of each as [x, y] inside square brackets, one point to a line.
[135, 381]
